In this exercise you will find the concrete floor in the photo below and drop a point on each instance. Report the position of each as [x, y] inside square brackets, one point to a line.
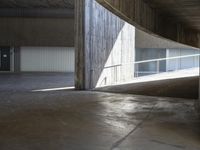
[33, 81]
[83, 120]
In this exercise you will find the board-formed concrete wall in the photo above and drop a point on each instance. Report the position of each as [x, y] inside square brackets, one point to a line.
[21, 31]
[107, 44]
[119, 66]
[141, 14]
[146, 40]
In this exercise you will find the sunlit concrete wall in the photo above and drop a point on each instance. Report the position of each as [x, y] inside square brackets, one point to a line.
[119, 67]
[108, 48]
[105, 46]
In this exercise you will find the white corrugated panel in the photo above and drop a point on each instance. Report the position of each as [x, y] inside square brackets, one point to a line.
[47, 59]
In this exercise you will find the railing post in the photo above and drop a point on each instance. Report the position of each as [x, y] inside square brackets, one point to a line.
[180, 63]
[115, 74]
[137, 68]
[158, 66]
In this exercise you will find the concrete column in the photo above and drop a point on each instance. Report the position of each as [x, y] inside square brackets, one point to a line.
[17, 59]
[104, 46]
[82, 59]
[198, 102]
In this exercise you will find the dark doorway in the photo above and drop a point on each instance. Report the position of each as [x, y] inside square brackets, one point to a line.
[4, 59]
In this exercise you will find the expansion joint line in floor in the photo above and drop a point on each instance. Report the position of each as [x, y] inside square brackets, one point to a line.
[116, 144]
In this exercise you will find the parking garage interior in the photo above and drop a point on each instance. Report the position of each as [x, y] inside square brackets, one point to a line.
[99, 75]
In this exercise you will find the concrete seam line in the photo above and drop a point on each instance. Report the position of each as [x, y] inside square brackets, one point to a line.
[116, 144]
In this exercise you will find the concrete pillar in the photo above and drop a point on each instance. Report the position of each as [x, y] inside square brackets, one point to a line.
[103, 41]
[82, 59]
[198, 102]
[17, 59]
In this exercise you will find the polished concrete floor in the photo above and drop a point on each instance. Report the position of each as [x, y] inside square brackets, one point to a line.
[16, 82]
[87, 120]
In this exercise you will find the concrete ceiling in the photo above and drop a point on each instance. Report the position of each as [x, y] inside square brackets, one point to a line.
[184, 11]
[37, 4]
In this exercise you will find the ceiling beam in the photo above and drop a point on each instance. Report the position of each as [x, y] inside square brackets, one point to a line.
[149, 19]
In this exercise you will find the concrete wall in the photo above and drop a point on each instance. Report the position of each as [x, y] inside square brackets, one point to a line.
[146, 40]
[36, 31]
[12, 59]
[141, 14]
[119, 67]
[107, 44]
[17, 59]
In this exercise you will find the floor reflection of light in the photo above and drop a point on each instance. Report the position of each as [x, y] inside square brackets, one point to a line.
[53, 89]
[116, 114]
[116, 123]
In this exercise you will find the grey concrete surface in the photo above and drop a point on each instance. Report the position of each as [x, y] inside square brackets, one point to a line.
[26, 82]
[37, 4]
[22, 31]
[146, 40]
[102, 40]
[186, 87]
[84, 120]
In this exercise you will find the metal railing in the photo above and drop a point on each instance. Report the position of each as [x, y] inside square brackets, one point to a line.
[116, 70]
[157, 64]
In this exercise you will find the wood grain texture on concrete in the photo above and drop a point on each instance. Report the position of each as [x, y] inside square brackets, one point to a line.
[168, 19]
[102, 40]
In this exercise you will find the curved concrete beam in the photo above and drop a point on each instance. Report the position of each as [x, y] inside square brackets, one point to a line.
[148, 19]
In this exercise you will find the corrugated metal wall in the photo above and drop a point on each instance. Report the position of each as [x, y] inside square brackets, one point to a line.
[47, 59]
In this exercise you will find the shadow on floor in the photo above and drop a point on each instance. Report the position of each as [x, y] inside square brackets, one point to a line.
[19, 82]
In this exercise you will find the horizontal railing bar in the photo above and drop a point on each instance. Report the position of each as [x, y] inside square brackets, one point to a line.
[112, 66]
[153, 60]
[148, 71]
[161, 59]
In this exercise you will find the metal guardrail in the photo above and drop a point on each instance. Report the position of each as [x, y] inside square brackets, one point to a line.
[158, 61]
[117, 69]
[169, 58]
